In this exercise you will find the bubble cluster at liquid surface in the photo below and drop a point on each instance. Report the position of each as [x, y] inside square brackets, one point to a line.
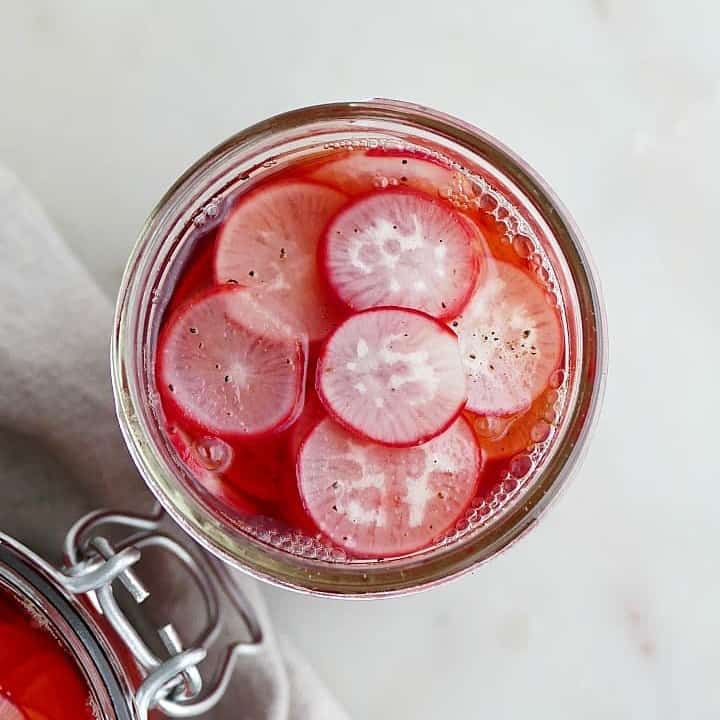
[294, 542]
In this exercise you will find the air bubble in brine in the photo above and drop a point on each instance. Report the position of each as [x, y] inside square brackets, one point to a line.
[487, 203]
[523, 246]
[520, 466]
[213, 453]
[539, 431]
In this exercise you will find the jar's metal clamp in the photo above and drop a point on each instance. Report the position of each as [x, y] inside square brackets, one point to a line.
[174, 684]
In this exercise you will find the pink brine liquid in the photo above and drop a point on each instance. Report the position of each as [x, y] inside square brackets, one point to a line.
[362, 354]
[38, 677]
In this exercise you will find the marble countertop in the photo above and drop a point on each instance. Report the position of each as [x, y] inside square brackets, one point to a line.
[609, 609]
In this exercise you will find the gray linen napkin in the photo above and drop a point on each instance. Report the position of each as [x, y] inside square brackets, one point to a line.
[61, 453]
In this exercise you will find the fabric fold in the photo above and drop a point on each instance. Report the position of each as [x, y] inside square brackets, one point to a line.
[61, 451]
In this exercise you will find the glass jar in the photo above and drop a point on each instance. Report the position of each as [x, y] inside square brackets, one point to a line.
[537, 226]
[126, 679]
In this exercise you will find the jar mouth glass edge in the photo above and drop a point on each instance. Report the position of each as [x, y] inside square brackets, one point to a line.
[317, 577]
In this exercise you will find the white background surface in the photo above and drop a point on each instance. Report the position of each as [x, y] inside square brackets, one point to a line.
[610, 608]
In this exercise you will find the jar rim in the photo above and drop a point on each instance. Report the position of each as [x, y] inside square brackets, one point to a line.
[371, 578]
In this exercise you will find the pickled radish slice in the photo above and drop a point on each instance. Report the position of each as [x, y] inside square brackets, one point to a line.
[230, 367]
[392, 375]
[8, 709]
[379, 501]
[269, 243]
[402, 248]
[358, 171]
[510, 342]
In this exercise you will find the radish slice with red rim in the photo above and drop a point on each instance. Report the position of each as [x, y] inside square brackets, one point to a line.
[378, 501]
[511, 341]
[402, 248]
[269, 243]
[358, 171]
[8, 710]
[392, 375]
[231, 368]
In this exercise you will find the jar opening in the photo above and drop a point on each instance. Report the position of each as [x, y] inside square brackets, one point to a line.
[538, 230]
